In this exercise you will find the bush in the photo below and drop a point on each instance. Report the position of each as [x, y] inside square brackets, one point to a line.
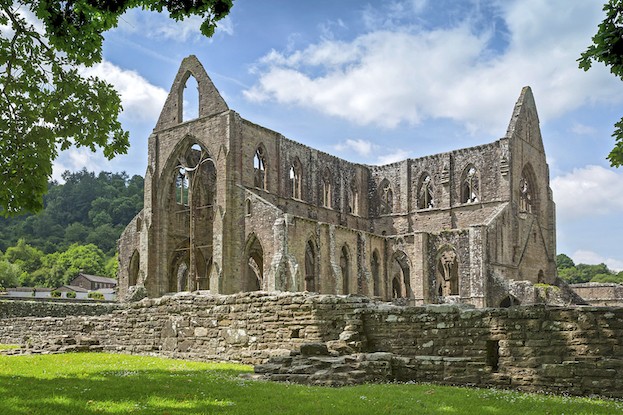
[96, 295]
[55, 294]
[71, 294]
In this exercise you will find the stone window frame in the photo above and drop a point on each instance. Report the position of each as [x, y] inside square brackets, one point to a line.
[353, 199]
[260, 171]
[470, 185]
[346, 268]
[295, 176]
[528, 200]
[426, 192]
[386, 197]
[326, 187]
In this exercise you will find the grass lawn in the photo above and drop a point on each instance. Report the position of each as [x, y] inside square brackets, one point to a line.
[100, 383]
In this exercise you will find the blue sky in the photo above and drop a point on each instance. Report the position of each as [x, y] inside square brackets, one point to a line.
[376, 82]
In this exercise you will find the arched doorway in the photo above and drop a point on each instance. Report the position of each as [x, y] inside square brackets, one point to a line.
[133, 268]
[400, 276]
[254, 275]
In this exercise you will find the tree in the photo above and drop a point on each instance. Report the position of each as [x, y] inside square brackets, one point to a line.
[607, 48]
[9, 274]
[563, 261]
[80, 258]
[45, 103]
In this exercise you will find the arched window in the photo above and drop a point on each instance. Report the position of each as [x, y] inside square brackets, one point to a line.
[190, 99]
[386, 197]
[425, 192]
[326, 189]
[247, 208]
[310, 267]
[447, 272]
[259, 168]
[470, 185]
[376, 271]
[345, 267]
[353, 199]
[296, 172]
[181, 187]
[401, 285]
[527, 190]
[134, 268]
[255, 264]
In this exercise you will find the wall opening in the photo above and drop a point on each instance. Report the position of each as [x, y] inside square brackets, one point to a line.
[447, 273]
[345, 267]
[493, 354]
[310, 267]
[425, 192]
[296, 171]
[401, 285]
[255, 264]
[190, 100]
[134, 268]
[376, 269]
[470, 185]
[259, 168]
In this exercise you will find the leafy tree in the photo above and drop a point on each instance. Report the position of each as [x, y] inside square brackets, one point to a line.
[607, 48]
[563, 261]
[80, 258]
[616, 278]
[46, 103]
[24, 255]
[572, 275]
[111, 269]
[9, 274]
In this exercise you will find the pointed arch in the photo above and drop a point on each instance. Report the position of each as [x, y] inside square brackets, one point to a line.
[345, 266]
[326, 189]
[386, 197]
[188, 98]
[133, 268]
[375, 266]
[528, 199]
[400, 275]
[447, 272]
[353, 198]
[254, 261]
[311, 266]
[296, 179]
[470, 185]
[260, 177]
[425, 192]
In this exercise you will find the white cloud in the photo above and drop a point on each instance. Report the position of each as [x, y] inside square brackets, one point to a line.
[581, 129]
[590, 257]
[75, 159]
[590, 190]
[404, 74]
[141, 100]
[361, 147]
[397, 155]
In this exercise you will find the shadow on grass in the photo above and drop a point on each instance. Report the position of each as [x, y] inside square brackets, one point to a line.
[217, 391]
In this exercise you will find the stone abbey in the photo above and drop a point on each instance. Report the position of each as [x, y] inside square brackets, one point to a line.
[231, 206]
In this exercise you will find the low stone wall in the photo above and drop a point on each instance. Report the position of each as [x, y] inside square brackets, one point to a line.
[600, 294]
[53, 308]
[576, 350]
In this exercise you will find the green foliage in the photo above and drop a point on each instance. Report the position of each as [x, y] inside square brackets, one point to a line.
[563, 261]
[580, 273]
[80, 258]
[96, 295]
[25, 256]
[9, 274]
[92, 383]
[55, 294]
[71, 294]
[607, 48]
[111, 268]
[46, 104]
[616, 278]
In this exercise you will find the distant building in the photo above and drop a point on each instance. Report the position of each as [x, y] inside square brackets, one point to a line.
[92, 282]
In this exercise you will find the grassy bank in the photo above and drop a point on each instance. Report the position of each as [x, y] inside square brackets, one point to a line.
[100, 383]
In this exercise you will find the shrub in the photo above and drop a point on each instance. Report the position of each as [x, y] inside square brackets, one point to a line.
[55, 294]
[71, 294]
[96, 295]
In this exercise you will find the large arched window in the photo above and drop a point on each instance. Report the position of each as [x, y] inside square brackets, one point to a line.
[259, 168]
[386, 197]
[189, 99]
[296, 183]
[326, 189]
[425, 192]
[470, 185]
[345, 267]
[310, 267]
[527, 190]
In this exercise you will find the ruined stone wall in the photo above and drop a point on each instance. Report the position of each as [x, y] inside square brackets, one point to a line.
[573, 350]
[600, 294]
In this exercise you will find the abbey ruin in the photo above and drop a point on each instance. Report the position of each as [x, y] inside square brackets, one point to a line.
[231, 206]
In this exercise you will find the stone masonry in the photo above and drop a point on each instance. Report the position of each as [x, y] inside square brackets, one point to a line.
[232, 206]
[336, 340]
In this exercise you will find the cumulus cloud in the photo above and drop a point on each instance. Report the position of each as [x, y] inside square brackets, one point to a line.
[75, 159]
[590, 257]
[361, 147]
[590, 190]
[397, 155]
[402, 73]
[141, 100]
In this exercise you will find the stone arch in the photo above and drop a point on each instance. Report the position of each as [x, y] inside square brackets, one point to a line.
[400, 275]
[509, 301]
[260, 176]
[540, 277]
[375, 267]
[386, 197]
[311, 266]
[345, 267]
[353, 198]
[188, 100]
[254, 264]
[133, 268]
[447, 272]
[528, 192]
[326, 188]
[425, 192]
[470, 185]
[178, 271]
[296, 179]
[247, 207]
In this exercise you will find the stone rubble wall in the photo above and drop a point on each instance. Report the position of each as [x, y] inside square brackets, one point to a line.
[337, 340]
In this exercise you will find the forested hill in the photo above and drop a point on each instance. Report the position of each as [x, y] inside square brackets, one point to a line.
[77, 230]
[87, 208]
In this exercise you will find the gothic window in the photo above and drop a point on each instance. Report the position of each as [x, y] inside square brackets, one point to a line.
[386, 197]
[190, 99]
[470, 186]
[255, 264]
[376, 273]
[296, 171]
[425, 192]
[447, 273]
[326, 189]
[527, 201]
[259, 168]
[353, 200]
[345, 268]
[181, 187]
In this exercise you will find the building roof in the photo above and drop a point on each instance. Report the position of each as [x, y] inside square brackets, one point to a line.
[72, 288]
[97, 278]
[29, 289]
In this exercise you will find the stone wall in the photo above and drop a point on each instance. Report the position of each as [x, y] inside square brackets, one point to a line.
[574, 350]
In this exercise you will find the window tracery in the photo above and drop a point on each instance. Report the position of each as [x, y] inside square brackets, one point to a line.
[259, 168]
[470, 186]
[425, 194]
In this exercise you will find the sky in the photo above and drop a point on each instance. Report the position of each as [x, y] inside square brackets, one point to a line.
[376, 82]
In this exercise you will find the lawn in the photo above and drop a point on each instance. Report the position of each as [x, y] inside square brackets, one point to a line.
[100, 383]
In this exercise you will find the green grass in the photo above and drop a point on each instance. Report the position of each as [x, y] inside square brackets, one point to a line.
[99, 383]
[8, 346]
